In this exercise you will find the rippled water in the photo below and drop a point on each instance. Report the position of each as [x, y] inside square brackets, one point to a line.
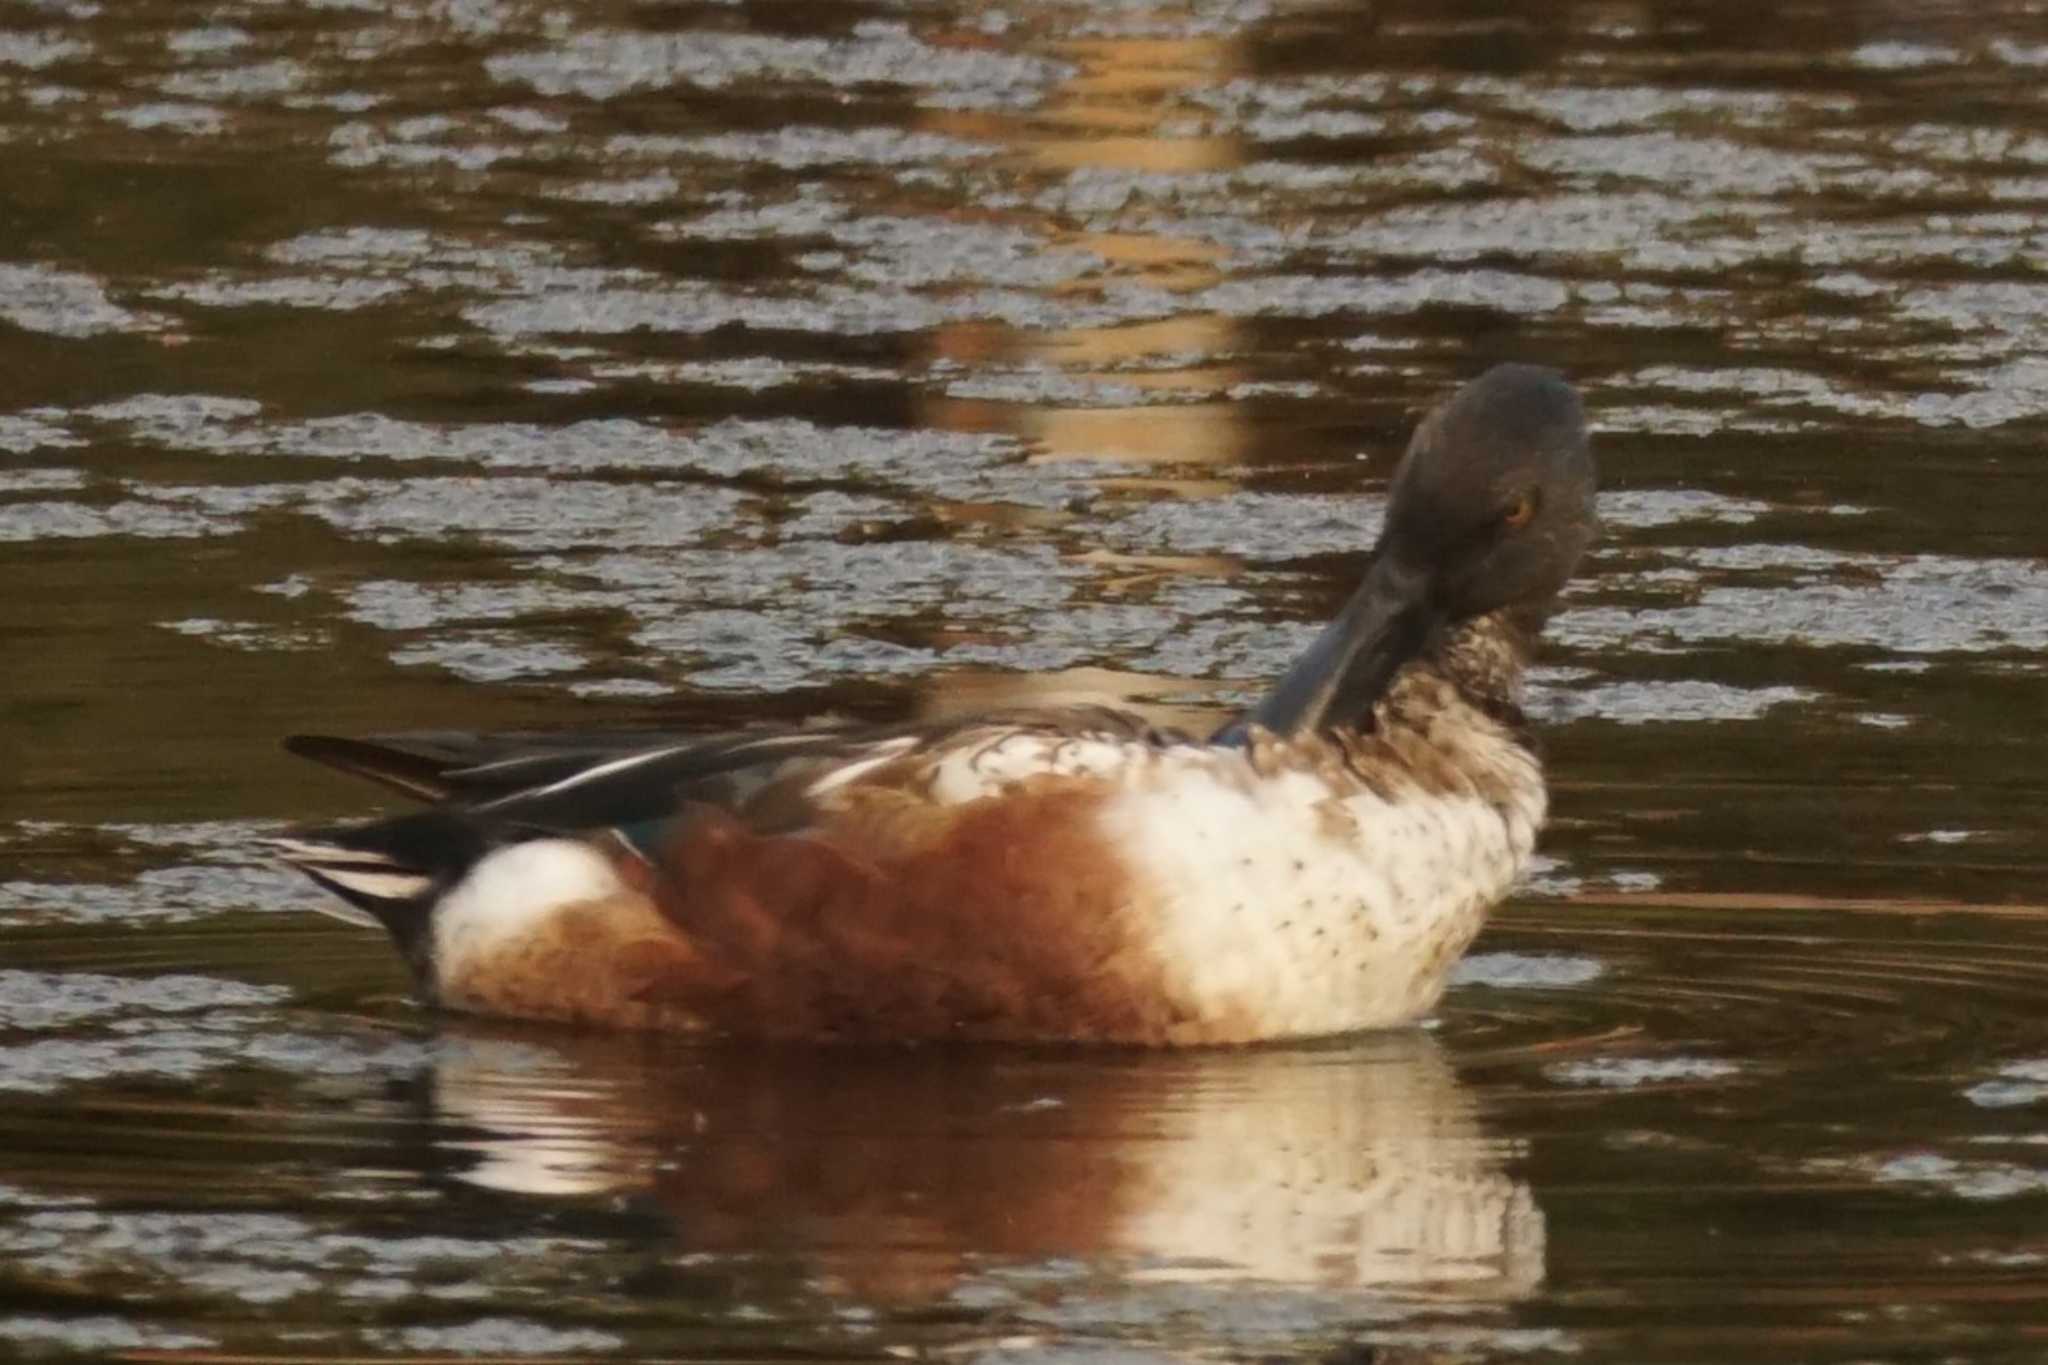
[488, 363]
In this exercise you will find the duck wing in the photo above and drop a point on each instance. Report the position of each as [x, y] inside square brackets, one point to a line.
[584, 780]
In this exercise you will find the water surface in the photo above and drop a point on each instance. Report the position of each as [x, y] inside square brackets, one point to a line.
[494, 364]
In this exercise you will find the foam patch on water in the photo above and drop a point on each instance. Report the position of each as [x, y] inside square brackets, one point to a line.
[332, 295]
[785, 450]
[254, 636]
[257, 79]
[1044, 385]
[392, 604]
[429, 259]
[147, 1048]
[495, 1336]
[32, 51]
[527, 514]
[165, 895]
[1526, 971]
[1583, 109]
[1026, 1349]
[61, 303]
[1898, 55]
[1648, 703]
[803, 148]
[1314, 296]
[1972, 1180]
[1552, 878]
[1627, 1073]
[491, 656]
[221, 867]
[41, 480]
[1649, 508]
[48, 1000]
[1578, 225]
[644, 189]
[228, 841]
[24, 433]
[837, 308]
[415, 143]
[41, 1333]
[1259, 526]
[752, 374]
[269, 1259]
[1233, 648]
[26, 521]
[600, 65]
[1693, 165]
[209, 40]
[2017, 1083]
[14, 1197]
[1907, 604]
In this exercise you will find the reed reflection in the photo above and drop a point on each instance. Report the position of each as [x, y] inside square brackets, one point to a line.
[898, 1175]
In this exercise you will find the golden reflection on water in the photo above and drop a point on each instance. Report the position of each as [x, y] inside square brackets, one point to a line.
[1361, 1169]
[1117, 113]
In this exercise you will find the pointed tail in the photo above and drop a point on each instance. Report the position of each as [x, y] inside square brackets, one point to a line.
[388, 872]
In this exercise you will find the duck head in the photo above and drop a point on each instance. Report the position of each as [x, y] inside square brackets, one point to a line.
[1490, 509]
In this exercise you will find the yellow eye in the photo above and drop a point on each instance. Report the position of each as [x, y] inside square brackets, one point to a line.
[1520, 512]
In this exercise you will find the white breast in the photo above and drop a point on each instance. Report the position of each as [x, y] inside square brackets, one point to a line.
[1302, 910]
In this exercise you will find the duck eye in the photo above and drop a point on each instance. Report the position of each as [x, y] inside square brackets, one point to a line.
[1520, 512]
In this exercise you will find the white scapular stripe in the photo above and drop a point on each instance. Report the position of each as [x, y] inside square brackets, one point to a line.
[843, 774]
[577, 779]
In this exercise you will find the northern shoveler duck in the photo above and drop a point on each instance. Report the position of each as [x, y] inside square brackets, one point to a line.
[1316, 866]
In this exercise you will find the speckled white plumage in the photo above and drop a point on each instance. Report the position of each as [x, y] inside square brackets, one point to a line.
[1302, 910]
[1282, 889]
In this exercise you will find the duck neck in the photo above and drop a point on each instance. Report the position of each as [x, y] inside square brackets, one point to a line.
[1336, 681]
[1484, 658]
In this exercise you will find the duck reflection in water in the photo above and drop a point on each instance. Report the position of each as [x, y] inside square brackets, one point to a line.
[901, 1177]
[1314, 867]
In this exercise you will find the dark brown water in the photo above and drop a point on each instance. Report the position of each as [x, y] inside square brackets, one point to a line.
[491, 363]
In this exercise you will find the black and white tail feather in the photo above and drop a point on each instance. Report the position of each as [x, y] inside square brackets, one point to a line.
[389, 873]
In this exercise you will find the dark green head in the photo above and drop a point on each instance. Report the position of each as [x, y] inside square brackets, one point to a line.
[1493, 503]
[1491, 508]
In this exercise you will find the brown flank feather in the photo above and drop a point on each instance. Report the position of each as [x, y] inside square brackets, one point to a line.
[1000, 918]
[1006, 917]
